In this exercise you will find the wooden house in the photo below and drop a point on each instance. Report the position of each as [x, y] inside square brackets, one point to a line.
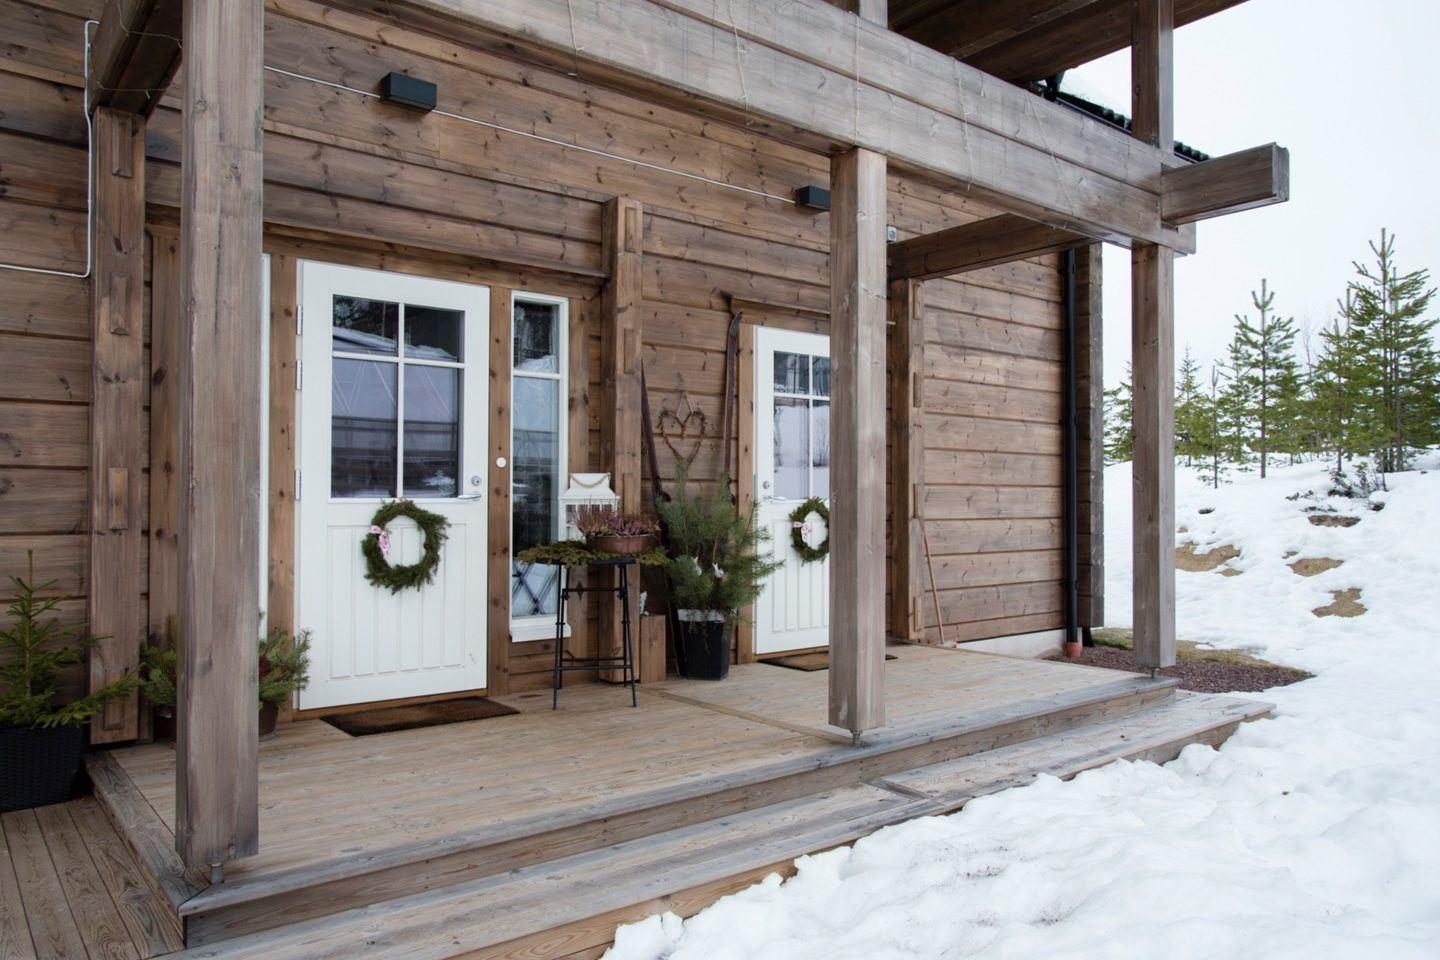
[255, 283]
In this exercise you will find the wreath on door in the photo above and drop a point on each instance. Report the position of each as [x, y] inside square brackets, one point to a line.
[800, 526]
[375, 547]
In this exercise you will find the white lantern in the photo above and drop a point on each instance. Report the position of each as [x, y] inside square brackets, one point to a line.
[586, 490]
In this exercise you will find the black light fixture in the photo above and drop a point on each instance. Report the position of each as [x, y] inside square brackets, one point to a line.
[813, 198]
[407, 91]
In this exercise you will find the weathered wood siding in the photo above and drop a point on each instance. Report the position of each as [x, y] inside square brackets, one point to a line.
[351, 179]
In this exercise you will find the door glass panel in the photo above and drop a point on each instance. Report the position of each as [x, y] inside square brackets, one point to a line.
[534, 503]
[433, 333]
[792, 372]
[537, 330]
[820, 449]
[792, 448]
[362, 428]
[365, 326]
[820, 379]
[432, 431]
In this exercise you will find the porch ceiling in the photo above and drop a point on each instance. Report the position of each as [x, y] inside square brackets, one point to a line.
[1024, 40]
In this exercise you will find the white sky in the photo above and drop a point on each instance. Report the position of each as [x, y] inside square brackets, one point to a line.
[1350, 88]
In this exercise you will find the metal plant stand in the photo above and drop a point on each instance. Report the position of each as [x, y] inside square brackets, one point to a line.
[566, 661]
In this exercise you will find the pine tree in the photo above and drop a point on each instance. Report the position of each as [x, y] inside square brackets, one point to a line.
[1264, 358]
[1399, 364]
[1338, 390]
[1120, 421]
[1233, 403]
[1188, 410]
[1210, 440]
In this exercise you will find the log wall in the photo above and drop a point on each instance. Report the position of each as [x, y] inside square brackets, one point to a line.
[351, 179]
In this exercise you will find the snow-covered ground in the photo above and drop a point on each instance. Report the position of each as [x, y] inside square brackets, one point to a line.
[1314, 834]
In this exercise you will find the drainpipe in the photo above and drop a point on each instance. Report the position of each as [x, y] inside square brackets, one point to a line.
[1072, 462]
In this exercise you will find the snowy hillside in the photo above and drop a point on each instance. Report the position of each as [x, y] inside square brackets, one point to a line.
[1313, 834]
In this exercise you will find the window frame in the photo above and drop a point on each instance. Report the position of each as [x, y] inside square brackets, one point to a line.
[540, 626]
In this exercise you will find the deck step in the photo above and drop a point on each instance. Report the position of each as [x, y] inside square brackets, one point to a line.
[236, 908]
[574, 903]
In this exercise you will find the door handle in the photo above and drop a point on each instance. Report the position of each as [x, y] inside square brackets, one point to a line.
[470, 496]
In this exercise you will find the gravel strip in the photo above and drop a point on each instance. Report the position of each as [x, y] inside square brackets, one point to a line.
[1202, 676]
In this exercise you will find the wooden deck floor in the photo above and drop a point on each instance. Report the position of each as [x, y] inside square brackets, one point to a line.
[349, 825]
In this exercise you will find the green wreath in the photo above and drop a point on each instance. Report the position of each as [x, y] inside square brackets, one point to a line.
[376, 546]
[798, 516]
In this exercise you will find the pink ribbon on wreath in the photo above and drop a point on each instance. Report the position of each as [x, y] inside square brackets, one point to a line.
[803, 527]
[382, 537]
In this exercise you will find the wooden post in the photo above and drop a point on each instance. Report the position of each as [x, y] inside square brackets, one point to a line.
[745, 467]
[857, 440]
[1152, 337]
[166, 374]
[906, 305]
[620, 430]
[117, 415]
[1090, 406]
[500, 521]
[216, 789]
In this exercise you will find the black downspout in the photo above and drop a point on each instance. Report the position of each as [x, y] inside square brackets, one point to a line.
[1072, 459]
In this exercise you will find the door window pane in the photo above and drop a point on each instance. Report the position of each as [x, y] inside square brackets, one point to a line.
[432, 431]
[820, 449]
[365, 326]
[537, 333]
[792, 448]
[792, 372]
[820, 379]
[433, 333]
[362, 428]
[534, 498]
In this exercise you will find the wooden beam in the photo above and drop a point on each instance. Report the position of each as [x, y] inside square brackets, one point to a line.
[1257, 177]
[906, 306]
[1152, 344]
[622, 240]
[166, 375]
[826, 79]
[745, 463]
[974, 246]
[119, 380]
[857, 440]
[1090, 408]
[280, 432]
[871, 11]
[216, 801]
[134, 54]
[500, 521]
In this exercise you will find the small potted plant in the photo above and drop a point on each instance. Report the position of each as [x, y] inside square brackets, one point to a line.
[609, 531]
[716, 569]
[284, 670]
[40, 741]
[157, 686]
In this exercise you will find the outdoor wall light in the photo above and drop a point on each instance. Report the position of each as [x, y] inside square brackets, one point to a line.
[407, 91]
[812, 198]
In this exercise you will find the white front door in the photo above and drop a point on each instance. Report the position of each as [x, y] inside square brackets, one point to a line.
[792, 464]
[393, 404]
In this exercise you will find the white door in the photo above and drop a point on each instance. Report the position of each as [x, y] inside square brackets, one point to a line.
[792, 464]
[393, 404]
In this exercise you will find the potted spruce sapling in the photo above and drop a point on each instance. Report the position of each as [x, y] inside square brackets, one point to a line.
[40, 738]
[717, 568]
[284, 669]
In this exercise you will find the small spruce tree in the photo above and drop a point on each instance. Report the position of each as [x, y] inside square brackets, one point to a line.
[1120, 421]
[1265, 362]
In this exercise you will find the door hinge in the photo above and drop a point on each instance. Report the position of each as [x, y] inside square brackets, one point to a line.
[297, 484]
[299, 374]
[299, 320]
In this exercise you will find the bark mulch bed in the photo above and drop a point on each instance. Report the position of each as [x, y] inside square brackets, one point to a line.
[1203, 671]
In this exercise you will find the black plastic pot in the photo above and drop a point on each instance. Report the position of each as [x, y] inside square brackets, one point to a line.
[38, 767]
[703, 652]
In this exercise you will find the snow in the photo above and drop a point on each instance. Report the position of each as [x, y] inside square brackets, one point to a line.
[1313, 834]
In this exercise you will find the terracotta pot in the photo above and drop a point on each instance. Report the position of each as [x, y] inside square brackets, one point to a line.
[623, 546]
[269, 714]
[1073, 649]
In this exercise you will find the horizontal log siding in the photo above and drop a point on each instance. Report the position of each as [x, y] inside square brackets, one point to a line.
[352, 179]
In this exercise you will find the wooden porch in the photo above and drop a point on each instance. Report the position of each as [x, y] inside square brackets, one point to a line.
[527, 835]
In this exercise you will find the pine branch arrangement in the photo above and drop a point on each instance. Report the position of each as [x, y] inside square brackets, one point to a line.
[717, 564]
[284, 664]
[39, 650]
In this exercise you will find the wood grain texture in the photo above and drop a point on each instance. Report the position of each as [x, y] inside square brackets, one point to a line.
[136, 53]
[745, 465]
[1152, 344]
[167, 359]
[220, 245]
[975, 246]
[1089, 323]
[1152, 72]
[498, 525]
[119, 391]
[906, 306]
[280, 434]
[857, 441]
[1244, 180]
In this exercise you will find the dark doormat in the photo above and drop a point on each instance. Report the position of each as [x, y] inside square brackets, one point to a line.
[390, 719]
[810, 662]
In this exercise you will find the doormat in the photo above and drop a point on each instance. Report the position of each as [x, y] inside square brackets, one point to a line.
[810, 662]
[390, 719]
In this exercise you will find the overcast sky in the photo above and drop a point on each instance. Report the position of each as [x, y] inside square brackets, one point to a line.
[1351, 89]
